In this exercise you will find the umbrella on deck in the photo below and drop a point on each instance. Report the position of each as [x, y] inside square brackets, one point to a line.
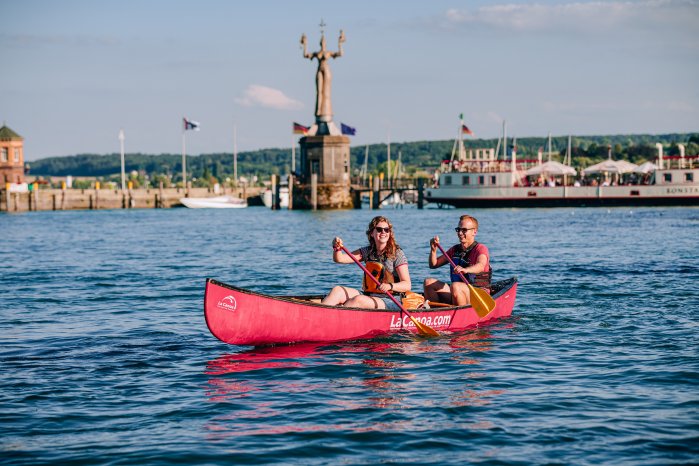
[646, 167]
[611, 166]
[551, 168]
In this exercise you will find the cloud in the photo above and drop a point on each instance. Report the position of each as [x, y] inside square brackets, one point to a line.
[262, 96]
[577, 16]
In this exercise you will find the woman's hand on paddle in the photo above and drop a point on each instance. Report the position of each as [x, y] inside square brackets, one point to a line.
[385, 287]
[433, 243]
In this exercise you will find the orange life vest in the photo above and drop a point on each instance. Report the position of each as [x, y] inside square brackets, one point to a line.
[379, 272]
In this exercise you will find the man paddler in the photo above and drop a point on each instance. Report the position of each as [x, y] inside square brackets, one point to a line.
[472, 259]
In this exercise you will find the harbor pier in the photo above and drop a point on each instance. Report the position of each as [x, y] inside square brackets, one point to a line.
[94, 199]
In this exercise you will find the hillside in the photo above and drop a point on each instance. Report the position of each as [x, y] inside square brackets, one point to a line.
[418, 156]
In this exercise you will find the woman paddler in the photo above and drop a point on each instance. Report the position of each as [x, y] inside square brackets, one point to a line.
[384, 259]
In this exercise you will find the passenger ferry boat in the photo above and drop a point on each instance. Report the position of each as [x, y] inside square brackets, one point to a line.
[477, 178]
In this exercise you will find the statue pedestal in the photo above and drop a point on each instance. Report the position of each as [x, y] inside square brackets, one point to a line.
[329, 158]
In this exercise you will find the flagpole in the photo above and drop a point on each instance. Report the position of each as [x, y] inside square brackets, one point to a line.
[462, 155]
[123, 171]
[184, 163]
[293, 153]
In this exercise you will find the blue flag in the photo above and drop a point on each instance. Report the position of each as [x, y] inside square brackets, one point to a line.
[348, 130]
[189, 124]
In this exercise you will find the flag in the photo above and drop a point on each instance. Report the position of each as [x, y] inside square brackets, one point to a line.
[348, 130]
[465, 130]
[300, 129]
[189, 124]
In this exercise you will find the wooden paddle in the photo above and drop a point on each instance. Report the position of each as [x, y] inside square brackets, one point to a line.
[422, 328]
[481, 300]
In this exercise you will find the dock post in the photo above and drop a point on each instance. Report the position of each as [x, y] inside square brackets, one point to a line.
[314, 191]
[160, 195]
[278, 195]
[291, 191]
[357, 198]
[63, 195]
[275, 193]
[53, 201]
[420, 193]
[371, 193]
[376, 204]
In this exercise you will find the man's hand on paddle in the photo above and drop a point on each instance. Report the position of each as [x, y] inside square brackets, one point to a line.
[433, 243]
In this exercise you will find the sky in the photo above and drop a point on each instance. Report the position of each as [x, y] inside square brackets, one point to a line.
[76, 72]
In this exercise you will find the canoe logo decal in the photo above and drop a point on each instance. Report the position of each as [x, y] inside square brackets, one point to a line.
[227, 303]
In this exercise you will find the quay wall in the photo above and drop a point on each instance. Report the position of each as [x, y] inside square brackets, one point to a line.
[86, 199]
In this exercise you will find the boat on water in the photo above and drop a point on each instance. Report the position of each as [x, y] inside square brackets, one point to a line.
[478, 178]
[243, 317]
[219, 202]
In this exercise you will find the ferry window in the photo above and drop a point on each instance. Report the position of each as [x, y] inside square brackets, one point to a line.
[689, 176]
[3, 155]
[668, 177]
[492, 179]
[447, 180]
[481, 179]
[466, 180]
[16, 155]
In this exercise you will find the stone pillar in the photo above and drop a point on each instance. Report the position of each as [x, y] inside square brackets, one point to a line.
[328, 158]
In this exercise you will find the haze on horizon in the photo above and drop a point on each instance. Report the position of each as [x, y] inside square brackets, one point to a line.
[78, 71]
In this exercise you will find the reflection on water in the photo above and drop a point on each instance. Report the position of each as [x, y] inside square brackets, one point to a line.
[333, 381]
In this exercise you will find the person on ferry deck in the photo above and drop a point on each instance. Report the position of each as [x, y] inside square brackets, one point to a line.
[384, 259]
[472, 259]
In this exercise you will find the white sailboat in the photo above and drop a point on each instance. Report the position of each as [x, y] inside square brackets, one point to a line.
[218, 202]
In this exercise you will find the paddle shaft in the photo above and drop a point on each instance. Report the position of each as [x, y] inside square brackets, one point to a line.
[452, 262]
[423, 328]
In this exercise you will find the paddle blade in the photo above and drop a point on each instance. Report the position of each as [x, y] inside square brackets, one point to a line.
[481, 301]
[424, 329]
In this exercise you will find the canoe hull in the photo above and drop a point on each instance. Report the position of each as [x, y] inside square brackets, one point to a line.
[243, 317]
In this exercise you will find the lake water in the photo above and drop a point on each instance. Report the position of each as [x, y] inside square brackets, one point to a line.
[106, 358]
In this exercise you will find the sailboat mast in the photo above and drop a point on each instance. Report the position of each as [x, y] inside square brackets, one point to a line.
[365, 168]
[235, 156]
[504, 140]
[388, 158]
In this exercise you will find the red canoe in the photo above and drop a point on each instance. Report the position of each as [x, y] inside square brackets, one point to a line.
[243, 317]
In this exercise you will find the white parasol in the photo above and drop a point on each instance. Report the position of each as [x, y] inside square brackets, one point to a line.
[646, 167]
[611, 166]
[551, 168]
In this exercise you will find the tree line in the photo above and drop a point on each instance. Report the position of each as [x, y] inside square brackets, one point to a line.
[417, 158]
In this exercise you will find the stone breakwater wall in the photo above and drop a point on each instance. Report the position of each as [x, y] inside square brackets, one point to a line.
[86, 199]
